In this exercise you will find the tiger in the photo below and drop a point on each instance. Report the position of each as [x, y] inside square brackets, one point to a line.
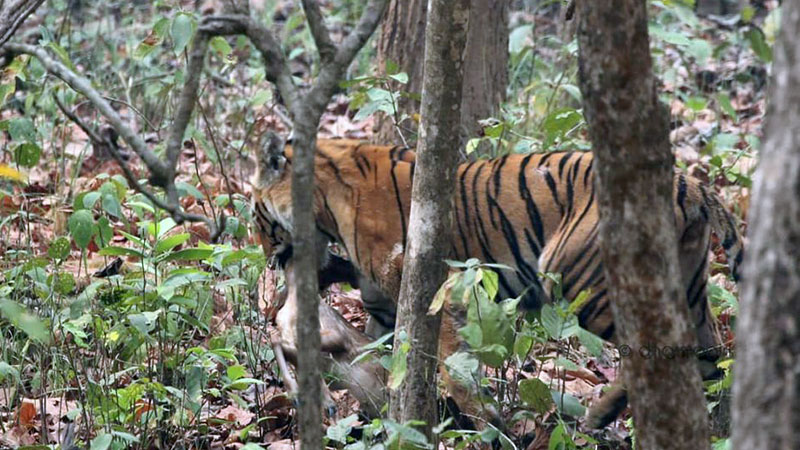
[532, 212]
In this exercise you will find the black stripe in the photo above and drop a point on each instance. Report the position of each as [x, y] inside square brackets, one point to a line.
[682, 194]
[530, 205]
[587, 173]
[562, 163]
[551, 183]
[399, 202]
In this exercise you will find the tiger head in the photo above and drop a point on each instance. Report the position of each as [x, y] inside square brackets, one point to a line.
[272, 197]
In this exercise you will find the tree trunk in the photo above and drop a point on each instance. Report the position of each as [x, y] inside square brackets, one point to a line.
[766, 389]
[486, 63]
[634, 181]
[430, 221]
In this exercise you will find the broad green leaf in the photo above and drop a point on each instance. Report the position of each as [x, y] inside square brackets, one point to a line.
[261, 97]
[463, 367]
[724, 101]
[182, 30]
[340, 430]
[171, 242]
[190, 254]
[25, 321]
[81, 227]
[759, 44]
[536, 394]
[220, 45]
[236, 371]
[21, 129]
[27, 154]
[101, 442]
[567, 404]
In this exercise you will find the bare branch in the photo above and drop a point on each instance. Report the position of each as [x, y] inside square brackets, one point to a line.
[331, 74]
[187, 101]
[159, 173]
[316, 23]
[358, 37]
[12, 14]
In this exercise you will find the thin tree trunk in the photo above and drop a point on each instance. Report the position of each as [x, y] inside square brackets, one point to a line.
[634, 167]
[430, 221]
[485, 63]
[766, 388]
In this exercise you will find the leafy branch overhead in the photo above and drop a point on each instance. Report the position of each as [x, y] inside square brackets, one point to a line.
[164, 170]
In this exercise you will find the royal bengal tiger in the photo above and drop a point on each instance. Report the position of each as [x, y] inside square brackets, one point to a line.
[535, 213]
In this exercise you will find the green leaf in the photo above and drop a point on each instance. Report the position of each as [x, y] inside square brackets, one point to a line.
[220, 45]
[759, 44]
[236, 371]
[27, 154]
[518, 38]
[724, 101]
[25, 321]
[59, 248]
[490, 283]
[559, 122]
[111, 205]
[341, 429]
[142, 50]
[21, 129]
[400, 77]
[463, 367]
[190, 254]
[592, 342]
[536, 394]
[161, 27]
[90, 199]
[182, 30]
[171, 242]
[567, 404]
[101, 442]
[145, 322]
[522, 346]
[62, 54]
[81, 227]
[261, 97]
[63, 283]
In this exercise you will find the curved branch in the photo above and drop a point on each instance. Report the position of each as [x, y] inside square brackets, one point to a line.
[358, 37]
[186, 104]
[12, 15]
[316, 23]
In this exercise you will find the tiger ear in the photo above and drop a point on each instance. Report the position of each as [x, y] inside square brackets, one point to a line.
[271, 160]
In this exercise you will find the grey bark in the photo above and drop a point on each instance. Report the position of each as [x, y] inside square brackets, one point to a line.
[12, 14]
[766, 388]
[430, 221]
[634, 182]
[485, 66]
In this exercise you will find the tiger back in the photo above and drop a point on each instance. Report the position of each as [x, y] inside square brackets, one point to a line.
[535, 213]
